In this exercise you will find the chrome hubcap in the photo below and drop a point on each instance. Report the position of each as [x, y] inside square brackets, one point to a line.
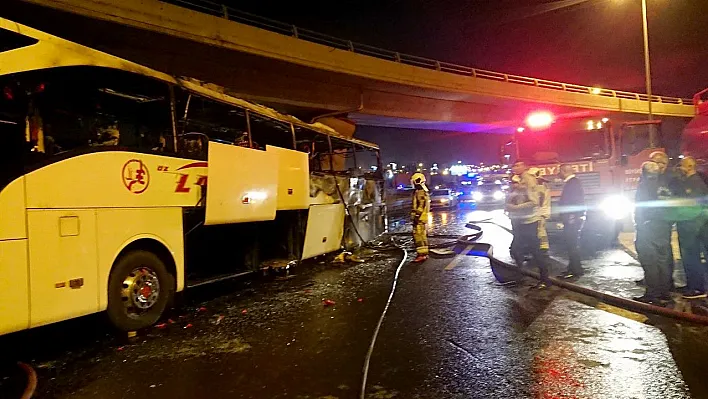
[141, 289]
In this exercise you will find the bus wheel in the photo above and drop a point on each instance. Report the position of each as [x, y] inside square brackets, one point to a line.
[139, 290]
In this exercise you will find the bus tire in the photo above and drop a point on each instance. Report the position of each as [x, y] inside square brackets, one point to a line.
[139, 290]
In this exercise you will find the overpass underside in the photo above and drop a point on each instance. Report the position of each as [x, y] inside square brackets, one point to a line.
[368, 90]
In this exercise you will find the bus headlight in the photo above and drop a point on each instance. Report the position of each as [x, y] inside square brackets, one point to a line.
[498, 195]
[477, 196]
[616, 207]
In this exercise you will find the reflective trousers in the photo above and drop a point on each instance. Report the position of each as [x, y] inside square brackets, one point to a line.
[543, 235]
[420, 237]
[526, 241]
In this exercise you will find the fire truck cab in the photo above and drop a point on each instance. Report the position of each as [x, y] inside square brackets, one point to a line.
[694, 141]
[606, 156]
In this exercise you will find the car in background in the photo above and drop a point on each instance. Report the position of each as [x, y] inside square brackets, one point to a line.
[443, 198]
[491, 195]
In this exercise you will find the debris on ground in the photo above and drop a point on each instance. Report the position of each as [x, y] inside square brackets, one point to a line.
[170, 321]
[202, 309]
[347, 256]
[360, 300]
[328, 302]
[342, 257]
[355, 259]
[244, 311]
[120, 348]
[219, 319]
[161, 325]
[189, 325]
[132, 334]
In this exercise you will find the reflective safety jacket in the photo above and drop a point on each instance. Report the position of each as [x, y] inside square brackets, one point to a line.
[421, 206]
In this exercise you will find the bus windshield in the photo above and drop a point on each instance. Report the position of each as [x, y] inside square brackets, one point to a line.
[564, 141]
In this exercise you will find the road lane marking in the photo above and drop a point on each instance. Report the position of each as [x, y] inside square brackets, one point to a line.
[458, 258]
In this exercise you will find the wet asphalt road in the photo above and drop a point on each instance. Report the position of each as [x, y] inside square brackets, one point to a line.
[451, 332]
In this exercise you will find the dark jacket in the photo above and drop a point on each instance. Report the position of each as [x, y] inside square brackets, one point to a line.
[653, 198]
[572, 200]
[690, 195]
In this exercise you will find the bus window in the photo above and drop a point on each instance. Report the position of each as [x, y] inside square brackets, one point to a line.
[316, 145]
[13, 147]
[343, 156]
[93, 107]
[368, 162]
[266, 131]
[206, 120]
[79, 108]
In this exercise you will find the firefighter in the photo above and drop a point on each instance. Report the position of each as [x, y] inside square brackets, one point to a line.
[527, 215]
[690, 219]
[544, 195]
[419, 216]
[653, 236]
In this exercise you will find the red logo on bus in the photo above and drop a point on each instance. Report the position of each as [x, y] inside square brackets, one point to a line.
[136, 177]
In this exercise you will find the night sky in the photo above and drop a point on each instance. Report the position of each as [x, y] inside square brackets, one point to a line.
[589, 42]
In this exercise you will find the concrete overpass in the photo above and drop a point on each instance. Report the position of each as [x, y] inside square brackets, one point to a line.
[311, 74]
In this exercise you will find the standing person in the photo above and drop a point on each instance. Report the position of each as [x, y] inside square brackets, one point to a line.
[572, 212]
[544, 210]
[419, 216]
[527, 216]
[517, 195]
[666, 179]
[653, 236]
[690, 220]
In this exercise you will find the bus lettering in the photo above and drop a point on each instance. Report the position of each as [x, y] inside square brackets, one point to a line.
[182, 183]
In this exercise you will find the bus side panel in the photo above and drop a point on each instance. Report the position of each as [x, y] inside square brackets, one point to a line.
[243, 185]
[117, 228]
[63, 270]
[14, 290]
[13, 224]
[116, 179]
[325, 228]
[293, 179]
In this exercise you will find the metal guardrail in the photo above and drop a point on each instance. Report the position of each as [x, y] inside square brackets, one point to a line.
[223, 11]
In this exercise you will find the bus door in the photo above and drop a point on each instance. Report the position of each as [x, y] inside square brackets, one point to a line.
[243, 185]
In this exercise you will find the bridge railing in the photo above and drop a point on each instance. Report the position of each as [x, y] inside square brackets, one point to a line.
[223, 11]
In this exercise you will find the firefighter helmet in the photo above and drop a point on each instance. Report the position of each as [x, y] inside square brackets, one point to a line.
[419, 179]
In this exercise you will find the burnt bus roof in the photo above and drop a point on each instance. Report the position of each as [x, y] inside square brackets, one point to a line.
[44, 51]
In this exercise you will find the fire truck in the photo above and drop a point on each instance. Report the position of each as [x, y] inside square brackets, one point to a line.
[694, 141]
[605, 154]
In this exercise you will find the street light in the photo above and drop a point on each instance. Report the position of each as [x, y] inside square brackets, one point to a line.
[647, 71]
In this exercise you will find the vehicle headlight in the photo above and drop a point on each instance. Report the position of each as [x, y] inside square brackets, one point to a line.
[617, 207]
[477, 196]
[444, 200]
[498, 195]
